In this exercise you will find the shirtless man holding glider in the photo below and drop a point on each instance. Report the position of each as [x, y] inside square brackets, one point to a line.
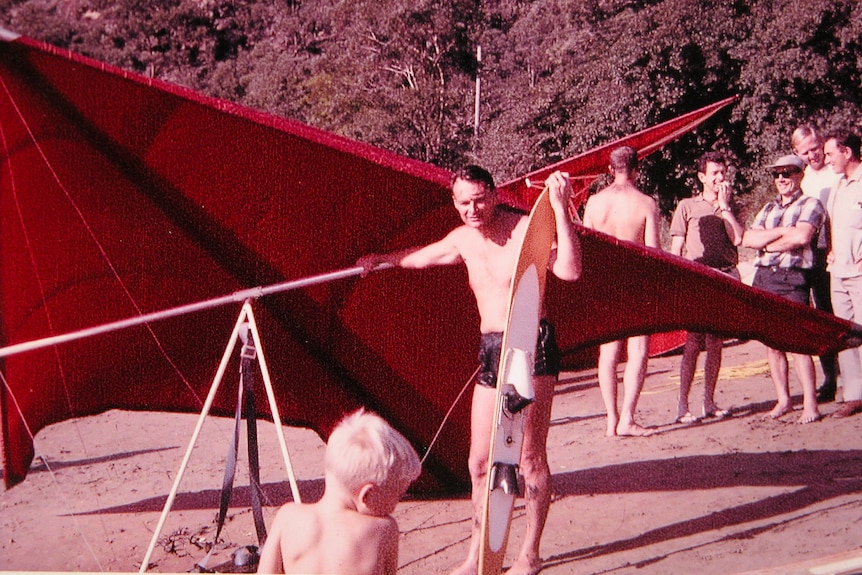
[624, 212]
[488, 243]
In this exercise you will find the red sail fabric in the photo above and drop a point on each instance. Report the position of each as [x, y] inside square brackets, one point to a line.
[122, 195]
[659, 292]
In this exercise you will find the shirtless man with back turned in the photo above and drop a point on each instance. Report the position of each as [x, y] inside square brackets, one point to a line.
[624, 212]
[488, 243]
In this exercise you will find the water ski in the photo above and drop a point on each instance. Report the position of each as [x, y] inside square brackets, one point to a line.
[515, 384]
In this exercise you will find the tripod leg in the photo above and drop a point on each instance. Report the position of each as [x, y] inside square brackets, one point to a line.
[204, 412]
[276, 418]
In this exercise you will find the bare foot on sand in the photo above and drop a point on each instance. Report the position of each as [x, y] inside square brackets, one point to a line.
[612, 427]
[809, 416]
[780, 410]
[525, 567]
[633, 430]
[687, 418]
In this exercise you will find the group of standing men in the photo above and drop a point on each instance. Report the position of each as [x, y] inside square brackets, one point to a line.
[791, 233]
[809, 247]
[809, 234]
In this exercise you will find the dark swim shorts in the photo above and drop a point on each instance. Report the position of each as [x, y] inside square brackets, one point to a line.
[790, 283]
[547, 355]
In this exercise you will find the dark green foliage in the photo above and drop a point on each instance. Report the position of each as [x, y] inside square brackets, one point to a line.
[557, 77]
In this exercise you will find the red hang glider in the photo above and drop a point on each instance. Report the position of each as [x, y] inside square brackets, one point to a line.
[122, 195]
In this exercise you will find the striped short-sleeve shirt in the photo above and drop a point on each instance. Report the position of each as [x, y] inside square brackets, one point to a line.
[801, 209]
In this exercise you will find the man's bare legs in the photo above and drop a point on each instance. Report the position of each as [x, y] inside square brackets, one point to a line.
[622, 422]
[537, 477]
[711, 367]
[804, 366]
[534, 467]
[481, 416]
[687, 367]
[779, 371]
[778, 368]
[609, 358]
[633, 382]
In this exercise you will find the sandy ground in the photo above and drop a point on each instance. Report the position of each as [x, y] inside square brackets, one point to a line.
[719, 497]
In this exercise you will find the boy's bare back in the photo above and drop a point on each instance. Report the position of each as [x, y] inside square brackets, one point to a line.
[623, 211]
[315, 539]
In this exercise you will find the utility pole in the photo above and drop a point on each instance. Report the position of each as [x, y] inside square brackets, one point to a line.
[476, 104]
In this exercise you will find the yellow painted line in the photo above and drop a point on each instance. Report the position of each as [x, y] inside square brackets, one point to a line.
[749, 369]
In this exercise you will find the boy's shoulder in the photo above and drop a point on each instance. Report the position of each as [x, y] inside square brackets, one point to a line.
[294, 512]
[341, 516]
[365, 526]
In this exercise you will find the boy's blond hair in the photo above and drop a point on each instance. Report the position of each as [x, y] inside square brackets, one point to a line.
[364, 449]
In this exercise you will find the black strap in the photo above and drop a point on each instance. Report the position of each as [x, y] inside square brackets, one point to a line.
[247, 373]
[245, 395]
[227, 481]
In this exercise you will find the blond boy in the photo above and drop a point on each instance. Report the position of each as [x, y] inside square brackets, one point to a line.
[349, 531]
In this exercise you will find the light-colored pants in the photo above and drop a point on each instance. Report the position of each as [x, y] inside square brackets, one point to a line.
[847, 304]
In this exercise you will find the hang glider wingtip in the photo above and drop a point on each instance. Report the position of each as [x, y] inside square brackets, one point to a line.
[698, 116]
[8, 35]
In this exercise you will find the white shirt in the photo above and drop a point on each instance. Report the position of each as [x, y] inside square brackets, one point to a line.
[819, 184]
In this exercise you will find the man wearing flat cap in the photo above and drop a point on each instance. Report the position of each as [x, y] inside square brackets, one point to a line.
[782, 235]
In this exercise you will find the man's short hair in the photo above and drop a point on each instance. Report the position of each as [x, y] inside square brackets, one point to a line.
[801, 133]
[624, 159]
[364, 449]
[711, 156]
[846, 139]
[475, 174]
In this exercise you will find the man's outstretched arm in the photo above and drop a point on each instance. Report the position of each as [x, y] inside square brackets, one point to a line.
[443, 252]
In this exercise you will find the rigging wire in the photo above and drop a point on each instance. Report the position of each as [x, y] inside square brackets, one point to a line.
[33, 264]
[446, 417]
[96, 242]
[56, 480]
[48, 319]
[35, 268]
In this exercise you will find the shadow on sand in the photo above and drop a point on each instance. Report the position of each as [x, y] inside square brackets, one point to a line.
[815, 476]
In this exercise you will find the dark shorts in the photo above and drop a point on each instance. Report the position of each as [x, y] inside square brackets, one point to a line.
[790, 283]
[547, 355]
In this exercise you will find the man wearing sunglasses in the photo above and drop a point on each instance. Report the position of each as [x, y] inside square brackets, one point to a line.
[842, 150]
[782, 234]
